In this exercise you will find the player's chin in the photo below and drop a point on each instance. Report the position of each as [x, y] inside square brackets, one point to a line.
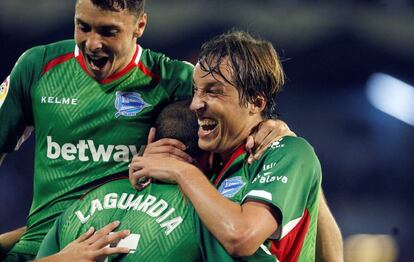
[207, 145]
[100, 71]
[100, 74]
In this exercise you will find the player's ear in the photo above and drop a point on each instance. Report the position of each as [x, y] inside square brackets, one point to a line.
[140, 26]
[258, 105]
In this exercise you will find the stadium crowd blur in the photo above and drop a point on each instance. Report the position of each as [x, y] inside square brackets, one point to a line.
[335, 53]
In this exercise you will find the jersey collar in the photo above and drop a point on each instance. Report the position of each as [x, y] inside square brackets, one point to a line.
[133, 63]
[240, 151]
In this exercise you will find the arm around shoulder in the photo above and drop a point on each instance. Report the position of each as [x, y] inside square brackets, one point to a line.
[240, 228]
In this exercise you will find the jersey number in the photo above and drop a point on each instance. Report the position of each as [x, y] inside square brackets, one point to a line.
[130, 242]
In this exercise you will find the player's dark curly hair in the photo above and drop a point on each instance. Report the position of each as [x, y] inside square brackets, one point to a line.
[135, 7]
[177, 121]
[256, 67]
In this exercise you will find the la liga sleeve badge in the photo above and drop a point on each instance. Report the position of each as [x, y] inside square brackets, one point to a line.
[4, 89]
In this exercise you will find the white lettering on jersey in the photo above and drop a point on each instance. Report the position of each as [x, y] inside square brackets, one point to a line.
[81, 217]
[124, 202]
[101, 152]
[155, 208]
[171, 224]
[146, 203]
[71, 152]
[134, 205]
[96, 206]
[110, 201]
[58, 100]
[269, 166]
[277, 144]
[158, 208]
[267, 177]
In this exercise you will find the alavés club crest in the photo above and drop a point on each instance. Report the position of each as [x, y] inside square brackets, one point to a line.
[129, 103]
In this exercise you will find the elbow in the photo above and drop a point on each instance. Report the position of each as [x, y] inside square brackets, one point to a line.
[240, 243]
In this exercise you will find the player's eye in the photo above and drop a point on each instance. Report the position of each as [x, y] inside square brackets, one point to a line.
[109, 32]
[215, 91]
[83, 27]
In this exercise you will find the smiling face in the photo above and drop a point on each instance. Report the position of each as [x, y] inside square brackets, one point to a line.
[107, 39]
[224, 122]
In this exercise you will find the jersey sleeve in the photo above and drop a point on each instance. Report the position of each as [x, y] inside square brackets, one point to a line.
[285, 177]
[51, 243]
[180, 75]
[16, 116]
[184, 89]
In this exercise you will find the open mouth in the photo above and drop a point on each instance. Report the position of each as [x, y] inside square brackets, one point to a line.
[97, 62]
[207, 125]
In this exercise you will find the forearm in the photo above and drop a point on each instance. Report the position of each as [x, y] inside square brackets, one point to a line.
[52, 258]
[7, 240]
[329, 246]
[238, 231]
[241, 229]
[216, 211]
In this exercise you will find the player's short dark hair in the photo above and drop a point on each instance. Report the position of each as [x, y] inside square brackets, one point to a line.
[256, 67]
[177, 121]
[135, 7]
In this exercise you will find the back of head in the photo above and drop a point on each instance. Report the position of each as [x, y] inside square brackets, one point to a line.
[256, 67]
[134, 7]
[177, 121]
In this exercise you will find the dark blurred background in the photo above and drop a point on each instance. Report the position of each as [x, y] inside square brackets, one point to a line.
[330, 51]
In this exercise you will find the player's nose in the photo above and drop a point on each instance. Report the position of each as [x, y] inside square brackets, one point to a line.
[197, 103]
[93, 42]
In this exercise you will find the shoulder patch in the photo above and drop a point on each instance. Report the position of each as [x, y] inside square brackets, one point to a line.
[129, 104]
[231, 186]
[4, 89]
[277, 144]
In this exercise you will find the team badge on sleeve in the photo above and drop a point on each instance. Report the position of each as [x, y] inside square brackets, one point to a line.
[277, 144]
[4, 89]
[129, 104]
[231, 186]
